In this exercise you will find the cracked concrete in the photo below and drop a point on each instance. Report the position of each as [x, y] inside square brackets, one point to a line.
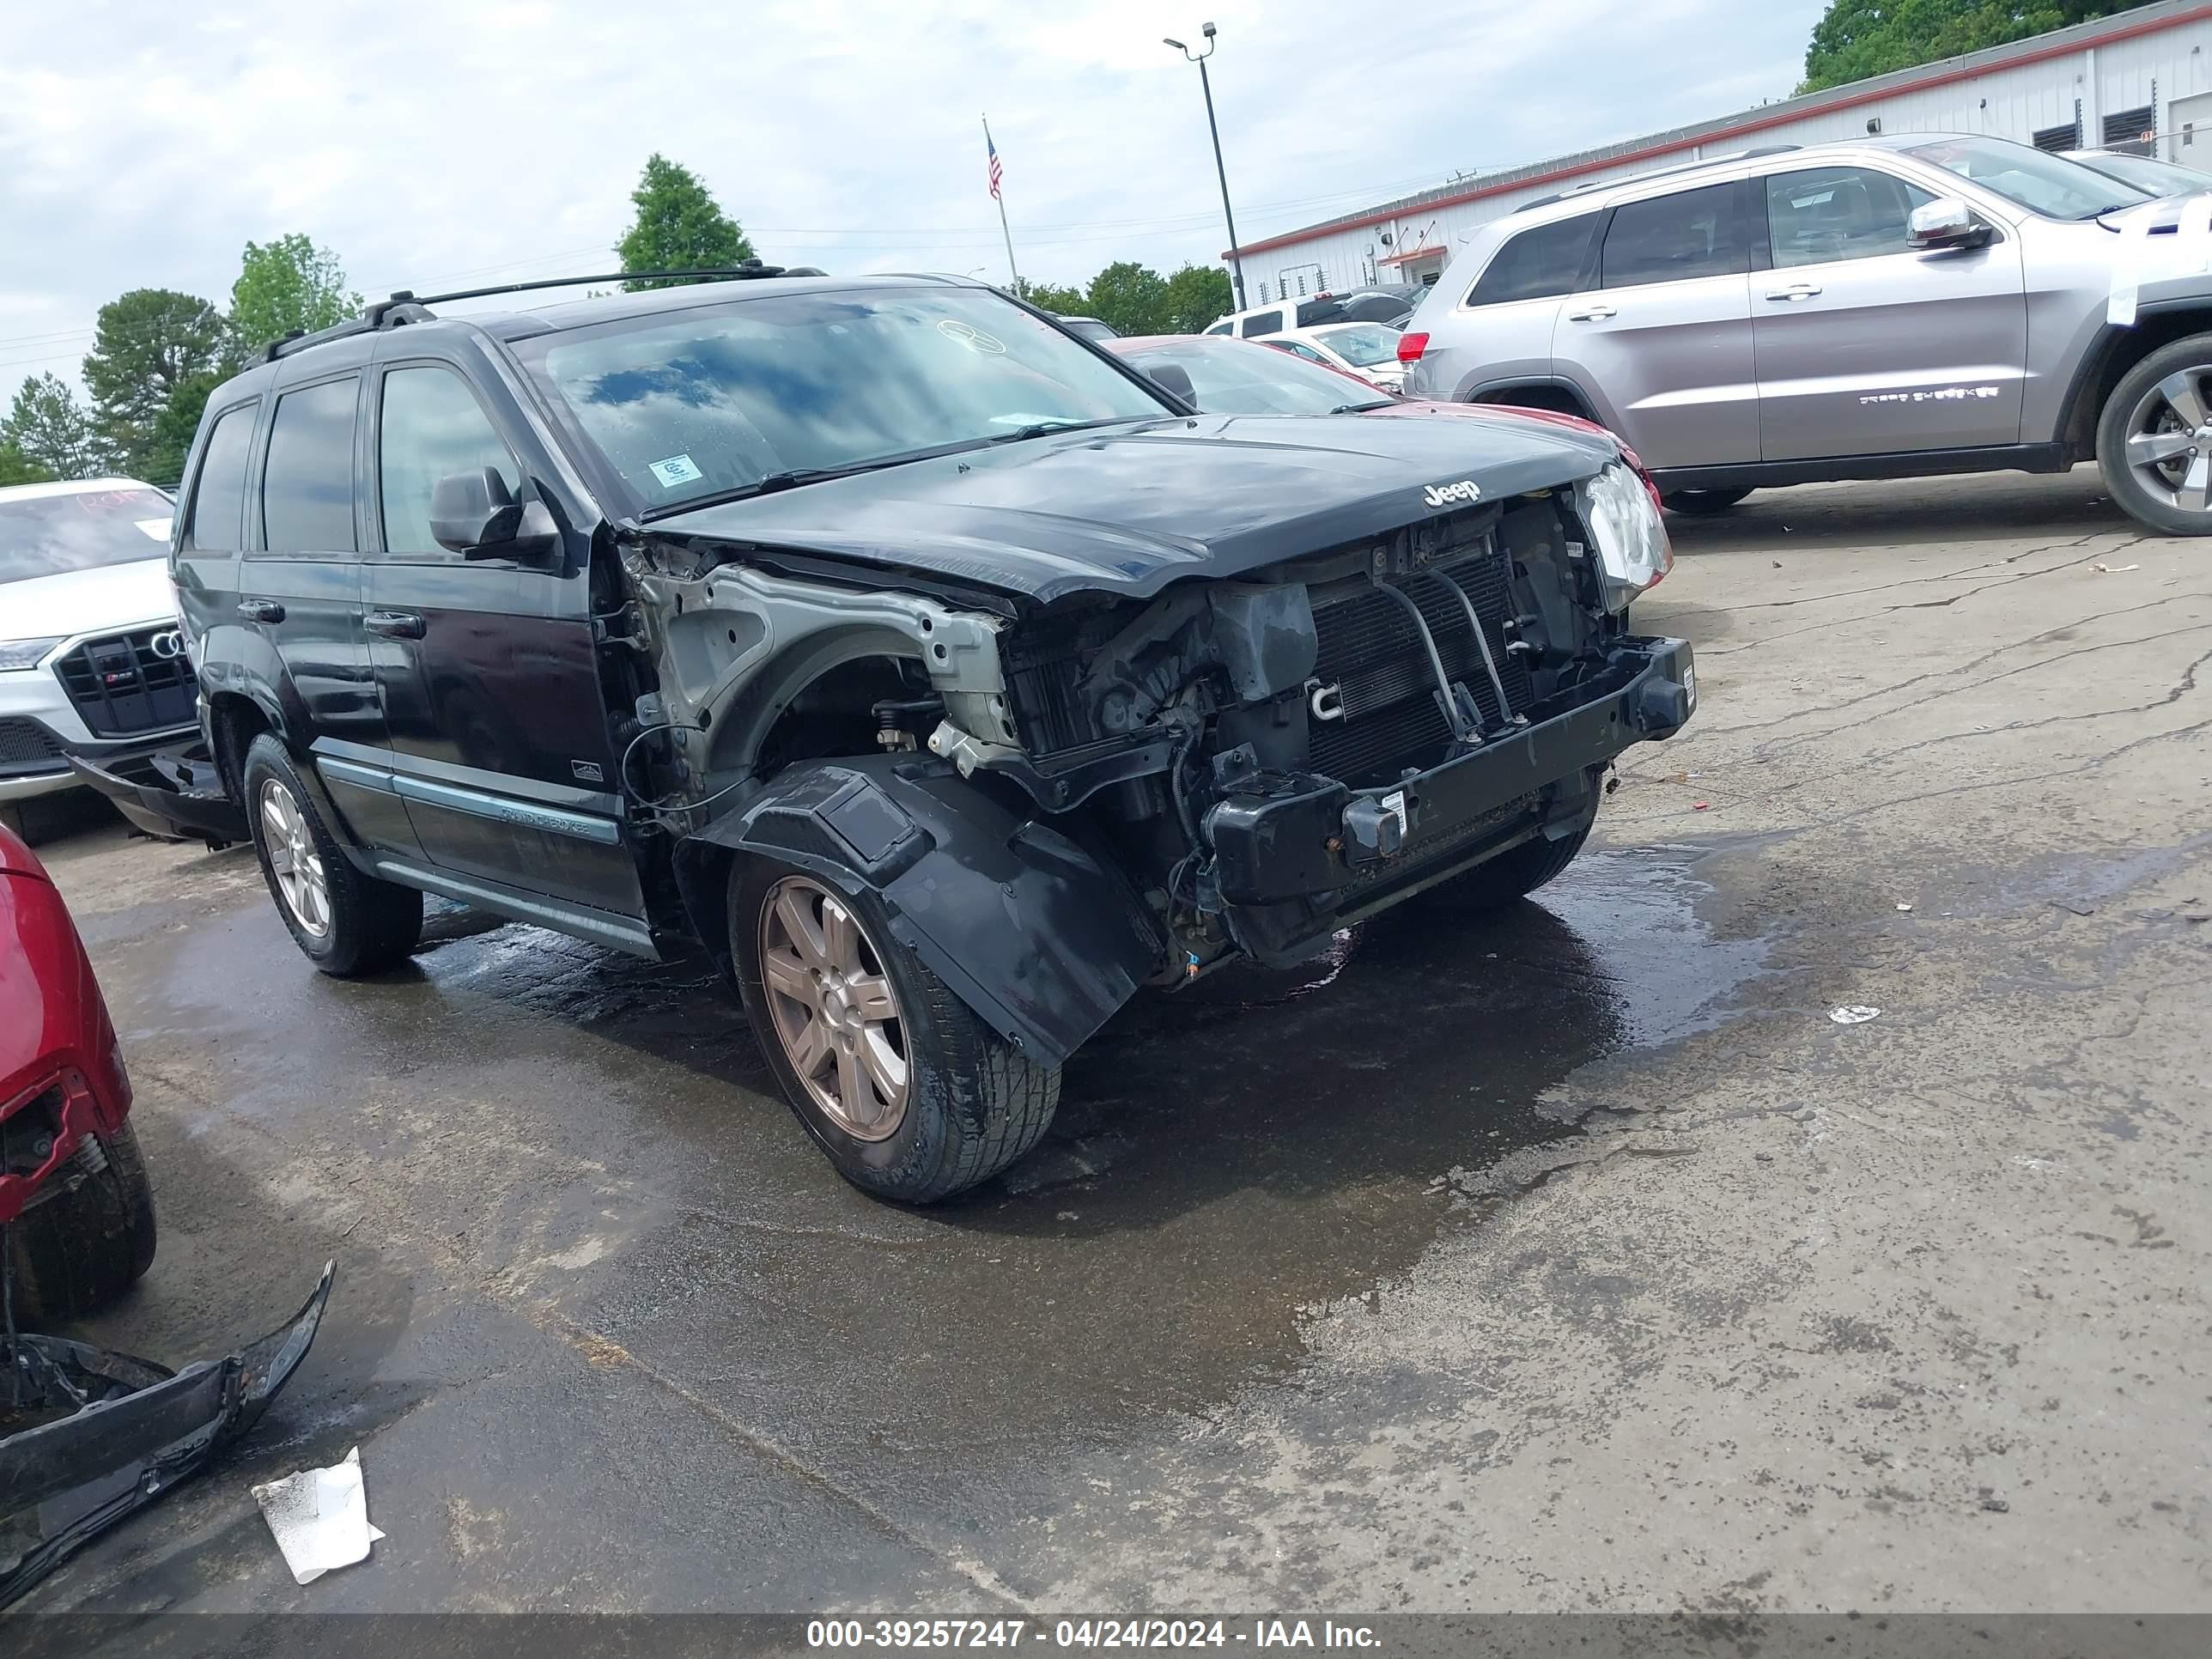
[1568, 1259]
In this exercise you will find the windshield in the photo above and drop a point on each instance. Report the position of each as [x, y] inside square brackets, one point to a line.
[46, 535]
[698, 402]
[2048, 185]
[1229, 377]
[1361, 345]
[2158, 178]
[1089, 327]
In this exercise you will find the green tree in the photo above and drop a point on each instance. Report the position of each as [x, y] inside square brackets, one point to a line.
[17, 468]
[148, 343]
[173, 429]
[1061, 301]
[48, 428]
[1196, 295]
[1855, 38]
[1130, 298]
[286, 286]
[679, 226]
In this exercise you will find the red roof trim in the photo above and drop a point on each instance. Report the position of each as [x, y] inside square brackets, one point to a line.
[1757, 123]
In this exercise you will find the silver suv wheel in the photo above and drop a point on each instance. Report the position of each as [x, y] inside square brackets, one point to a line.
[292, 857]
[2169, 441]
[834, 1008]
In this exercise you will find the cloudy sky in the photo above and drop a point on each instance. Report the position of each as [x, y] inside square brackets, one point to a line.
[441, 145]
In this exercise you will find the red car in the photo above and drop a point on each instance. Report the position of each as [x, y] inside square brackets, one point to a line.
[74, 1197]
[1225, 376]
[87, 1436]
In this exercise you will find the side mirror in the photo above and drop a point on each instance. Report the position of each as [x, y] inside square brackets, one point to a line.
[1177, 379]
[1945, 222]
[476, 515]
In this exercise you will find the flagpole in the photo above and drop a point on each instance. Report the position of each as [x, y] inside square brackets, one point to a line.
[999, 197]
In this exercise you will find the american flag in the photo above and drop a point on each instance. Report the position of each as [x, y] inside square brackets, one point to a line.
[997, 172]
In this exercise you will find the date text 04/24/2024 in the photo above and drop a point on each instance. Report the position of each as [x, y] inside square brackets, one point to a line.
[1086, 1633]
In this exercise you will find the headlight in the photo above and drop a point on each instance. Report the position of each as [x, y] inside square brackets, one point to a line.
[25, 654]
[1632, 553]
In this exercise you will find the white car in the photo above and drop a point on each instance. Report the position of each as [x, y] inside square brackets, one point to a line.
[1369, 350]
[91, 662]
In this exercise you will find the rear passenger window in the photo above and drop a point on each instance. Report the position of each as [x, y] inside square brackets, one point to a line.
[1671, 239]
[1222, 328]
[431, 426]
[219, 497]
[1538, 263]
[307, 484]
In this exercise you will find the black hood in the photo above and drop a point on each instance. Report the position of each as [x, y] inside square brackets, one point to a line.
[1131, 509]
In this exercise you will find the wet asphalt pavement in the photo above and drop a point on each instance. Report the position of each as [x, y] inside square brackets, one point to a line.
[1566, 1258]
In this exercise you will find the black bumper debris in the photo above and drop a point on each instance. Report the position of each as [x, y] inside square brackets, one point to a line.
[173, 794]
[107, 1434]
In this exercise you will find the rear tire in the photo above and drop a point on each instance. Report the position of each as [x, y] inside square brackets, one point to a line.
[1701, 503]
[345, 922]
[2154, 439]
[968, 1104]
[1514, 875]
[87, 1241]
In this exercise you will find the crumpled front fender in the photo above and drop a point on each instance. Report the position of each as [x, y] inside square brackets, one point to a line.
[1038, 934]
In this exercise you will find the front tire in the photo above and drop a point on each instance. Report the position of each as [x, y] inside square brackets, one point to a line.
[89, 1239]
[345, 922]
[2154, 439]
[912, 1096]
[1701, 503]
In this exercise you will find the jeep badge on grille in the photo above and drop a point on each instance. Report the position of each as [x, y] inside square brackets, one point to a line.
[1443, 495]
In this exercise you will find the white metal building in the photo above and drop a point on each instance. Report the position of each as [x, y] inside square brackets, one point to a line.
[2139, 80]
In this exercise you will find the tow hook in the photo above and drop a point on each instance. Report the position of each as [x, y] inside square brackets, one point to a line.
[1375, 827]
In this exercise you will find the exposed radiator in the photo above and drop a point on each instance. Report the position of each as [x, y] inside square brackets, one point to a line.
[1372, 654]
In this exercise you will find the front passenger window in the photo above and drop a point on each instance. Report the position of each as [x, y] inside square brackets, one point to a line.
[431, 426]
[1838, 213]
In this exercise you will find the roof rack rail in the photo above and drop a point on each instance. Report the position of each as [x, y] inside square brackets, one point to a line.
[1588, 185]
[406, 306]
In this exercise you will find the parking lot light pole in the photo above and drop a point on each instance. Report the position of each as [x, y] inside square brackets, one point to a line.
[1236, 258]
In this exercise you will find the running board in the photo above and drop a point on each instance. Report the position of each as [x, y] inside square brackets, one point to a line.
[579, 921]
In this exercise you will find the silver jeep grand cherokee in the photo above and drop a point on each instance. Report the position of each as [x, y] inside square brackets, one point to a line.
[1886, 307]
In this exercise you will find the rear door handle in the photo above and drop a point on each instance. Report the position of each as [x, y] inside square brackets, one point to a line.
[1795, 291]
[261, 610]
[394, 624]
[1592, 314]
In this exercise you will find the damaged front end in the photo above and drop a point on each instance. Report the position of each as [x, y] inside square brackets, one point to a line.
[1344, 729]
[94, 1436]
[1086, 791]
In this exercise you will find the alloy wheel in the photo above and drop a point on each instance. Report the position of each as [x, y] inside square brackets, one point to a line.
[292, 856]
[2169, 442]
[833, 1008]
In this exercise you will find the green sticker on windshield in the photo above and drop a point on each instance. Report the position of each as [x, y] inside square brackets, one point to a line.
[676, 470]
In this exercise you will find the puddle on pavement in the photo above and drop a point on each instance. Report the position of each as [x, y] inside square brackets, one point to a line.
[1223, 1157]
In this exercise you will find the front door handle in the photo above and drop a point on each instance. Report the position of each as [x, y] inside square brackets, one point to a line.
[1795, 291]
[1592, 314]
[261, 610]
[394, 624]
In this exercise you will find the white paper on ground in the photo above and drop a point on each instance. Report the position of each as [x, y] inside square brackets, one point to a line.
[321, 1517]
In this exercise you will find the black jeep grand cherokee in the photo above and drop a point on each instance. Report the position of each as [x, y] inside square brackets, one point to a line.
[946, 678]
